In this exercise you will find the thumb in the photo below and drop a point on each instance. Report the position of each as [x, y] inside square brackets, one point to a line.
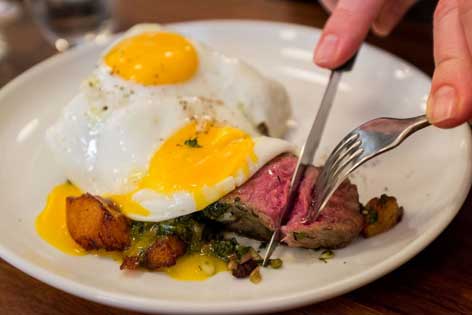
[450, 101]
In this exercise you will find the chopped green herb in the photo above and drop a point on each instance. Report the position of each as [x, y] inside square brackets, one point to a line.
[215, 210]
[193, 143]
[226, 249]
[372, 216]
[223, 249]
[325, 255]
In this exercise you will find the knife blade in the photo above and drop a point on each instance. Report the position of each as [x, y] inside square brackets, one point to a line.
[308, 151]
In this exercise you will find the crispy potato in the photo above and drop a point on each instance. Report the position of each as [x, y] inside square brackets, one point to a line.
[164, 252]
[96, 223]
[381, 214]
[243, 270]
[130, 263]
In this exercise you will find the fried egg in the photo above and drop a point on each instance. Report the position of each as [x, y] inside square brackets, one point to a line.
[165, 126]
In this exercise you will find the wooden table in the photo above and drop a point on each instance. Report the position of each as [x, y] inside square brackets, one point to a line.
[437, 281]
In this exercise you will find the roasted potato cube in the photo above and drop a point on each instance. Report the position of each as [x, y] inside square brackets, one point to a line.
[245, 269]
[381, 214]
[130, 263]
[164, 252]
[96, 223]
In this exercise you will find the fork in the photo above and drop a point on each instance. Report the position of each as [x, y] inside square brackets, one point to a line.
[360, 145]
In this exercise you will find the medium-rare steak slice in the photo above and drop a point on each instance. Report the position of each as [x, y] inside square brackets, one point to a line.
[254, 208]
[340, 222]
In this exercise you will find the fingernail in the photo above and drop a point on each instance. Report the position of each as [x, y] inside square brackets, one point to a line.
[326, 49]
[442, 105]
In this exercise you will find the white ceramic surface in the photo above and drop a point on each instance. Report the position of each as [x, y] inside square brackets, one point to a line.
[430, 174]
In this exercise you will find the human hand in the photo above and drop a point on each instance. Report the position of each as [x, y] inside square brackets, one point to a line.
[349, 24]
[450, 100]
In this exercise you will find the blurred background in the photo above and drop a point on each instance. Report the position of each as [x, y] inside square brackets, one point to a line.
[32, 30]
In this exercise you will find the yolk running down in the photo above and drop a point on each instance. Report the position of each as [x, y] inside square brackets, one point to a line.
[196, 267]
[51, 224]
[52, 227]
[192, 159]
[153, 58]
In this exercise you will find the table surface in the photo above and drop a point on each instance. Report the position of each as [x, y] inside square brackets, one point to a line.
[437, 281]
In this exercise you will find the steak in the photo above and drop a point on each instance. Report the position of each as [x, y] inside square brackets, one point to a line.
[340, 222]
[254, 208]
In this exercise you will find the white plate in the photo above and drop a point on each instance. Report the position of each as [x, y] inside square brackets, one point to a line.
[430, 174]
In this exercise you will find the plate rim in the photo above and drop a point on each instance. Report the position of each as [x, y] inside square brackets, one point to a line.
[264, 305]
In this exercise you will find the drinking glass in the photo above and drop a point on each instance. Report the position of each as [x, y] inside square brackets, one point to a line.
[66, 23]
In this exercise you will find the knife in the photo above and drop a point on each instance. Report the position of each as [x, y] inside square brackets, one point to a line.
[308, 151]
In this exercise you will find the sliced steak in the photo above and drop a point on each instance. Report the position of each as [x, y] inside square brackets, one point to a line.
[339, 223]
[254, 208]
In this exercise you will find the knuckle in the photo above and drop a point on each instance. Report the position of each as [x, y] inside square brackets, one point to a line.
[453, 61]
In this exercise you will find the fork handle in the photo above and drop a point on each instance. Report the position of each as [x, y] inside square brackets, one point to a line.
[408, 126]
[412, 125]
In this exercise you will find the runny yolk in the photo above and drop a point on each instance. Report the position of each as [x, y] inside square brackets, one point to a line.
[153, 58]
[52, 227]
[192, 160]
[196, 267]
[51, 224]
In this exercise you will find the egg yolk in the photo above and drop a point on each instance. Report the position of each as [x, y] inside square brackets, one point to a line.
[195, 267]
[191, 160]
[51, 224]
[153, 58]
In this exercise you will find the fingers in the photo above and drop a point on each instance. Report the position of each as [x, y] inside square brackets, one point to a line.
[450, 100]
[390, 14]
[345, 30]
